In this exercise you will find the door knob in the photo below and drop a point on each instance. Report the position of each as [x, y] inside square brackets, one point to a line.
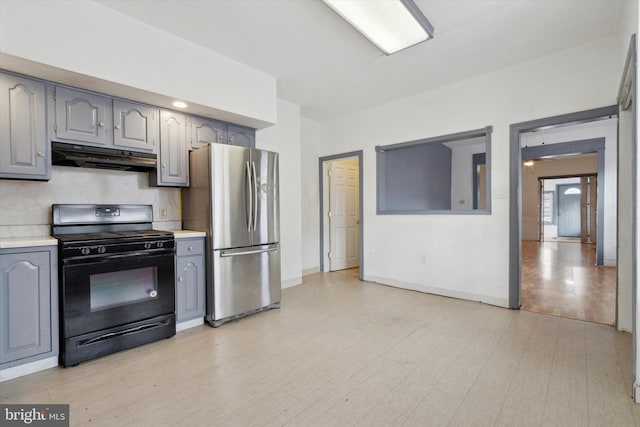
[40, 153]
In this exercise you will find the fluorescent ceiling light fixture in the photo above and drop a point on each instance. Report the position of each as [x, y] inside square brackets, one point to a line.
[180, 104]
[391, 25]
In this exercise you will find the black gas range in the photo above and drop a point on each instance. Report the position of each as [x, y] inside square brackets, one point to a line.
[117, 279]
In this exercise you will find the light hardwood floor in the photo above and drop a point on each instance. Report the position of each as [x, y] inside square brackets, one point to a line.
[561, 278]
[343, 352]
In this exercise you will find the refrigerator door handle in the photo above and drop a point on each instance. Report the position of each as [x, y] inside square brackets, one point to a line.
[224, 254]
[249, 214]
[255, 195]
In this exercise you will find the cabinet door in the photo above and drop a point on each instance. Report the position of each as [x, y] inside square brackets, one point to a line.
[190, 286]
[24, 149]
[242, 136]
[83, 117]
[25, 324]
[173, 158]
[135, 126]
[204, 131]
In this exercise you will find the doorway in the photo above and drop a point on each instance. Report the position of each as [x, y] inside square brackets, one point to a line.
[341, 224]
[568, 210]
[561, 274]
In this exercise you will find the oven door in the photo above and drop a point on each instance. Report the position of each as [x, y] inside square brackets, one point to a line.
[115, 290]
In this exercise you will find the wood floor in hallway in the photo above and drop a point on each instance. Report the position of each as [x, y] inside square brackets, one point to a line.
[561, 279]
[341, 352]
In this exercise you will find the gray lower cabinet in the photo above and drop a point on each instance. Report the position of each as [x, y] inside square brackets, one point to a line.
[190, 279]
[242, 136]
[24, 147]
[29, 302]
[135, 126]
[82, 117]
[173, 156]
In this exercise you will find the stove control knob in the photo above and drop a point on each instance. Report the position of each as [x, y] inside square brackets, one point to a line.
[85, 251]
[102, 249]
[159, 244]
[147, 245]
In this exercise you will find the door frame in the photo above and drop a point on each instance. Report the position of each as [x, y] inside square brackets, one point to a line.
[515, 184]
[599, 207]
[627, 91]
[585, 146]
[321, 183]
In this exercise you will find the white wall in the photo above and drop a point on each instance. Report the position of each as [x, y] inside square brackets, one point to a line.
[284, 138]
[459, 255]
[309, 153]
[89, 39]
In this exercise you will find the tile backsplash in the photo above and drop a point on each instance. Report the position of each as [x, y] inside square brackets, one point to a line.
[25, 206]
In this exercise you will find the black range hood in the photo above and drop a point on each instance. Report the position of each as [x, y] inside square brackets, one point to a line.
[64, 154]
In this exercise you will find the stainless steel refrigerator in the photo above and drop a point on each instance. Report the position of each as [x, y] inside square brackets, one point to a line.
[234, 198]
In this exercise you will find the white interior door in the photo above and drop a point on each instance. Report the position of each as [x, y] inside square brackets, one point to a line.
[344, 214]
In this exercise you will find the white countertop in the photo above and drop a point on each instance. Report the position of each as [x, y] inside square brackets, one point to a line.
[185, 234]
[25, 242]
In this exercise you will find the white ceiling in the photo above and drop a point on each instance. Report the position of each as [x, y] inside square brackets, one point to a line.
[329, 69]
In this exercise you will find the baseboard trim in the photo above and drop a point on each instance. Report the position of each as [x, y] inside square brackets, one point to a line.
[636, 393]
[291, 282]
[308, 271]
[28, 368]
[189, 324]
[500, 302]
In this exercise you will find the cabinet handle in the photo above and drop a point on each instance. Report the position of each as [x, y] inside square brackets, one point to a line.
[190, 248]
[220, 137]
[40, 153]
[101, 124]
[179, 279]
[164, 166]
[117, 126]
[230, 138]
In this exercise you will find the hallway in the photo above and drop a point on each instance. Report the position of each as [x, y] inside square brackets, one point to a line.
[561, 279]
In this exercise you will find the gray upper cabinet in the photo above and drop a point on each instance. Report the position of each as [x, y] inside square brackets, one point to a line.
[135, 126]
[240, 135]
[173, 156]
[204, 131]
[28, 297]
[82, 116]
[24, 147]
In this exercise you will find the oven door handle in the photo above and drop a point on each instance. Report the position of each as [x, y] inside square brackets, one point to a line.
[101, 258]
[123, 332]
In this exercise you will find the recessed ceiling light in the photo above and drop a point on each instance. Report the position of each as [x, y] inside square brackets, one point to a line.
[528, 163]
[391, 25]
[180, 104]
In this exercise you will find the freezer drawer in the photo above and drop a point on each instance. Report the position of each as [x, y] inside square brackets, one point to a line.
[244, 280]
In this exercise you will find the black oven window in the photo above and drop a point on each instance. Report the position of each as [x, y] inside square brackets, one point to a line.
[117, 288]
